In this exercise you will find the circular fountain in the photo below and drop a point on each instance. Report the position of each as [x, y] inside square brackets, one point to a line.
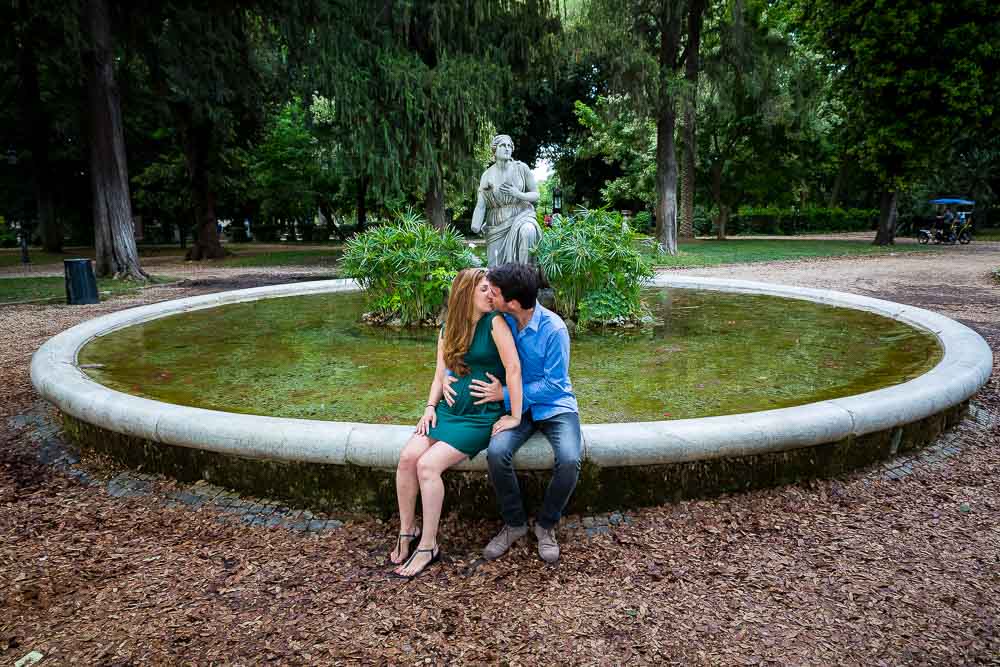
[278, 392]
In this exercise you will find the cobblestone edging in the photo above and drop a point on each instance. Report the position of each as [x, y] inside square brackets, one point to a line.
[978, 422]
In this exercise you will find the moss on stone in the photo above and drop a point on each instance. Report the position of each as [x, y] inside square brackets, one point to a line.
[354, 489]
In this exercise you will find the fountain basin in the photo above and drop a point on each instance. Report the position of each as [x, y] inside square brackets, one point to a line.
[347, 465]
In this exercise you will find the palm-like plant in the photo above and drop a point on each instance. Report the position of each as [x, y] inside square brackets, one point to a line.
[406, 267]
[592, 262]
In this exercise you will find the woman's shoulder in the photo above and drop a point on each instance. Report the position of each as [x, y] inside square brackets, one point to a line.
[497, 320]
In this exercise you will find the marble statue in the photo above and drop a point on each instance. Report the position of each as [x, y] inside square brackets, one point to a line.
[505, 211]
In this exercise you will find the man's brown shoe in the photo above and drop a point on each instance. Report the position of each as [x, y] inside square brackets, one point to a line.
[548, 548]
[499, 545]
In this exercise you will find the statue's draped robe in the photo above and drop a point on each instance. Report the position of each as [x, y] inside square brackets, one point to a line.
[511, 227]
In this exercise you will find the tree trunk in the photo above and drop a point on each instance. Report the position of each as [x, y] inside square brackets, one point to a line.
[36, 124]
[720, 222]
[114, 236]
[434, 204]
[838, 183]
[723, 215]
[666, 178]
[666, 122]
[362, 204]
[695, 17]
[197, 143]
[887, 219]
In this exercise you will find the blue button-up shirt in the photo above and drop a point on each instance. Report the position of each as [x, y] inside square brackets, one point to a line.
[543, 347]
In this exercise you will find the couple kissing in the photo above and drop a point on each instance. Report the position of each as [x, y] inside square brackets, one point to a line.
[502, 373]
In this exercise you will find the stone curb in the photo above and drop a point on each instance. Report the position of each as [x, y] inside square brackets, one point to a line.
[965, 367]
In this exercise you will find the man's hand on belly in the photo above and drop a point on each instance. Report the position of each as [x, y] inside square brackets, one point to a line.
[448, 391]
[486, 392]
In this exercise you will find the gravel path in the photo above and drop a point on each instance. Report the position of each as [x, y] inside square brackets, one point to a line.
[957, 281]
[893, 565]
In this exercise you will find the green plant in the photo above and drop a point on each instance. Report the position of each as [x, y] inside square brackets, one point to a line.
[807, 220]
[8, 238]
[406, 267]
[593, 263]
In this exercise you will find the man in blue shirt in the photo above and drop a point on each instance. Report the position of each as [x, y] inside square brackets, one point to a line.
[549, 405]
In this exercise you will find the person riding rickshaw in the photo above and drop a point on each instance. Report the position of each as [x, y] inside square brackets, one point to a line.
[950, 225]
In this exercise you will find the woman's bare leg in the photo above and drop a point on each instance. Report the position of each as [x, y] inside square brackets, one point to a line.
[430, 465]
[407, 486]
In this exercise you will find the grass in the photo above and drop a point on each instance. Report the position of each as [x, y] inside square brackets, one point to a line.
[54, 287]
[323, 257]
[12, 256]
[989, 234]
[735, 251]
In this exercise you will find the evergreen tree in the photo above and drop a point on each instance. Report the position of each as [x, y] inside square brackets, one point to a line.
[114, 235]
[412, 86]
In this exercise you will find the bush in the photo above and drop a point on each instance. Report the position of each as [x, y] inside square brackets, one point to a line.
[406, 267]
[592, 262]
[238, 233]
[265, 233]
[643, 222]
[8, 237]
[809, 220]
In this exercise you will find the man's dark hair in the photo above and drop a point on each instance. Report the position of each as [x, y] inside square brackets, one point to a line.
[516, 281]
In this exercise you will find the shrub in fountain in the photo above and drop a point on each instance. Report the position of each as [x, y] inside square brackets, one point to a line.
[595, 268]
[406, 268]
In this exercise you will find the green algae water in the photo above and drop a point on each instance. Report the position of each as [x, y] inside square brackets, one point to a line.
[711, 353]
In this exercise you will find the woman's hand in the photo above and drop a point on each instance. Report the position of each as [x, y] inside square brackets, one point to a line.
[428, 421]
[505, 423]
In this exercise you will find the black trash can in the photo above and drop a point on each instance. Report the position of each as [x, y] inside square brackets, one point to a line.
[81, 285]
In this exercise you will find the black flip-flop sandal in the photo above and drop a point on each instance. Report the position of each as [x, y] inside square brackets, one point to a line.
[435, 557]
[399, 544]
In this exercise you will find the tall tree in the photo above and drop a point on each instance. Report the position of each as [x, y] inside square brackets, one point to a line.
[211, 85]
[413, 85]
[912, 76]
[643, 43]
[116, 251]
[695, 19]
[36, 122]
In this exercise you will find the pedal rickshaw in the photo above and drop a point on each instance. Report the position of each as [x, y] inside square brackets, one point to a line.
[958, 229]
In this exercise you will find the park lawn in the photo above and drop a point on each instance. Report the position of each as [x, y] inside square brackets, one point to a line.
[738, 251]
[991, 234]
[13, 290]
[12, 256]
[325, 257]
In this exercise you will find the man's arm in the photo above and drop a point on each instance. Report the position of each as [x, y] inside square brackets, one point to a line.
[555, 372]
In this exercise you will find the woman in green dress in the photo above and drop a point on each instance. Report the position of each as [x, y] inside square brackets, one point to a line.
[474, 344]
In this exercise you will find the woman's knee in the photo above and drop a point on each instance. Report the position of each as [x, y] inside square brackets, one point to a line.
[412, 452]
[427, 470]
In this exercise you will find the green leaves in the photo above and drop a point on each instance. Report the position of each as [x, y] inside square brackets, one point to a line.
[592, 262]
[407, 267]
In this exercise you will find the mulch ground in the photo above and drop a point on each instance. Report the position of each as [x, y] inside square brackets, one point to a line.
[858, 570]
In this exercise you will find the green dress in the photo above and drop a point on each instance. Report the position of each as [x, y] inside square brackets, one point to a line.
[465, 426]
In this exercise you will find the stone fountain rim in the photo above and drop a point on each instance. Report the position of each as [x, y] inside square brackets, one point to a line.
[965, 367]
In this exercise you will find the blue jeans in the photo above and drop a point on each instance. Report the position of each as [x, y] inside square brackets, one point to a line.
[563, 433]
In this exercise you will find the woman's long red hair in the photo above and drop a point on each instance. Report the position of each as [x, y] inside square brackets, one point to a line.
[460, 327]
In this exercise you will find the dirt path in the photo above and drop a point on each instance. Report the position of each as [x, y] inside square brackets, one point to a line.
[866, 569]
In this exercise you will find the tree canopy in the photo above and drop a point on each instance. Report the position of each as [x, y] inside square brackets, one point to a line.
[284, 114]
